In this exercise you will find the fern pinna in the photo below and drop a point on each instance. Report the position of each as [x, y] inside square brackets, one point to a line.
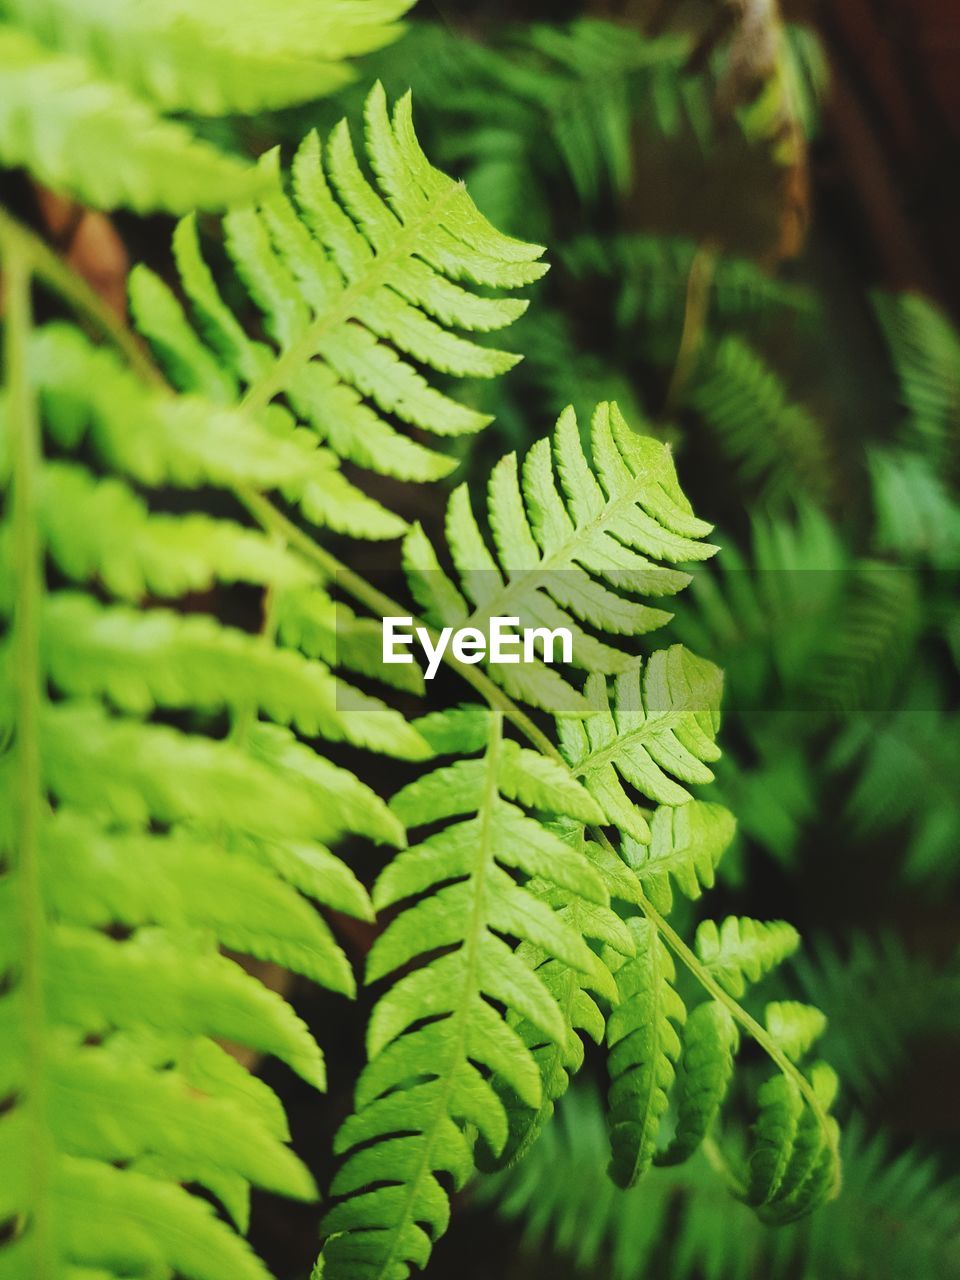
[164, 801]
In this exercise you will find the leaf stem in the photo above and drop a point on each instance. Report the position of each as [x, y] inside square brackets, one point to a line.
[55, 273]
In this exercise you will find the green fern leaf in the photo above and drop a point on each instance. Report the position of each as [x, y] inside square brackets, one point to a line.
[558, 1060]
[429, 1033]
[644, 1048]
[102, 530]
[96, 139]
[309, 619]
[214, 61]
[559, 558]
[925, 349]
[141, 661]
[775, 444]
[663, 722]
[742, 950]
[794, 1026]
[133, 850]
[710, 1040]
[686, 844]
[353, 283]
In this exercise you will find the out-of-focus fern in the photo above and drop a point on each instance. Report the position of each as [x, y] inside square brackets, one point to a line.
[775, 445]
[820, 641]
[905, 770]
[884, 1000]
[925, 349]
[90, 89]
[897, 1216]
[652, 273]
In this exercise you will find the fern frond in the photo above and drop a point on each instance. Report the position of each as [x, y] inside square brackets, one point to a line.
[309, 619]
[95, 139]
[743, 950]
[687, 842]
[661, 726]
[917, 518]
[89, 88]
[435, 1029]
[100, 529]
[133, 850]
[216, 61]
[925, 349]
[558, 1060]
[652, 275]
[793, 1164]
[883, 1000]
[905, 766]
[355, 283]
[773, 442]
[565, 540]
[710, 1041]
[586, 84]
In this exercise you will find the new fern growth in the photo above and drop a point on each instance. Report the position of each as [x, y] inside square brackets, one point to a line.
[165, 796]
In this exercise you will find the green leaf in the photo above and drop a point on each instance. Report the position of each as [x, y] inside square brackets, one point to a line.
[742, 950]
[643, 1050]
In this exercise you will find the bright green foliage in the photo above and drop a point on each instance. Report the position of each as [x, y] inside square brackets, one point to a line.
[567, 538]
[135, 849]
[422, 1090]
[658, 1051]
[710, 1040]
[558, 1060]
[311, 620]
[87, 86]
[644, 1047]
[163, 806]
[686, 844]
[663, 721]
[744, 950]
[353, 284]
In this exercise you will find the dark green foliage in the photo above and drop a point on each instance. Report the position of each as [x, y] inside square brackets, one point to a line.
[897, 1216]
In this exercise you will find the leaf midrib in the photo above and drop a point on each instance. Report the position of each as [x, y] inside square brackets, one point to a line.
[471, 945]
[27, 695]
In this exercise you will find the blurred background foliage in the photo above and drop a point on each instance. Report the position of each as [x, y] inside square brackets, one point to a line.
[751, 218]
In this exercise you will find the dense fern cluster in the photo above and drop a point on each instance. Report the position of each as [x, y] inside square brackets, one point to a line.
[172, 808]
